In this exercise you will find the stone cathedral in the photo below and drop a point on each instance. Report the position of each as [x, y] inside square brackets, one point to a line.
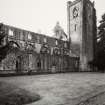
[82, 30]
[36, 52]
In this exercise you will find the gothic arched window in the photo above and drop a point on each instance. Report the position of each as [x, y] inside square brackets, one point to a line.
[29, 36]
[11, 32]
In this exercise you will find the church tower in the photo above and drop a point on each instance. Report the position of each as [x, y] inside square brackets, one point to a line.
[82, 30]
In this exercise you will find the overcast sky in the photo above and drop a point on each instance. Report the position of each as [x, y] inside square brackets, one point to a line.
[39, 15]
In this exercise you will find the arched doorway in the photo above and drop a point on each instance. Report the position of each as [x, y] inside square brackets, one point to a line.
[38, 64]
[18, 64]
[14, 47]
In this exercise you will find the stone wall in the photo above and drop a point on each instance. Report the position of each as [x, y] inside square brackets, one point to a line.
[36, 52]
[24, 62]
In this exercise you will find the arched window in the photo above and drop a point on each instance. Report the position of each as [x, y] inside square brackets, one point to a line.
[21, 35]
[45, 40]
[38, 39]
[56, 42]
[11, 32]
[75, 27]
[29, 36]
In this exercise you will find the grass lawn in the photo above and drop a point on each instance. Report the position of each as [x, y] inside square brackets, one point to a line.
[58, 89]
[13, 95]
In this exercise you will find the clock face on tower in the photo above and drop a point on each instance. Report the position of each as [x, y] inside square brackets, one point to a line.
[75, 21]
[75, 12]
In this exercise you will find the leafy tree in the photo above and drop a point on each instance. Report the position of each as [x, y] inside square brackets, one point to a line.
[101, 27]
[99, 59]
[2, 47]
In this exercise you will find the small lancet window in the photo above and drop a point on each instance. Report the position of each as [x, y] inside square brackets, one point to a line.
[11, 32]
[75, 27]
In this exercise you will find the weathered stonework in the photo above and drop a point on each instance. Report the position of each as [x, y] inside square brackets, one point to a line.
[37, 53]
[81, 28]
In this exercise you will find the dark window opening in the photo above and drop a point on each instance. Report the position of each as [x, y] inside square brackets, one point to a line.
[39, 64]
[75, 27]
